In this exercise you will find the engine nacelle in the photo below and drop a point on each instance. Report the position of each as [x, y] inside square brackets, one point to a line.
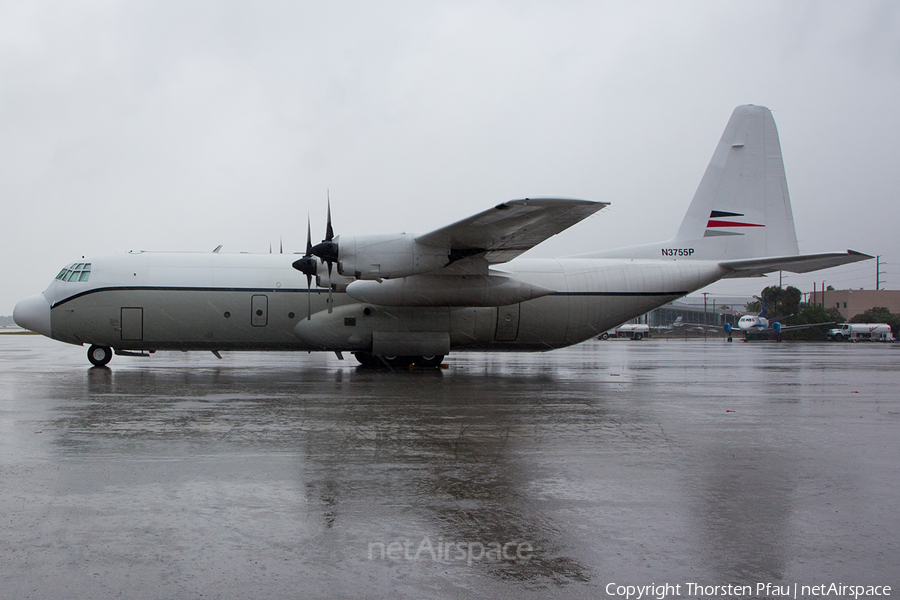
[387, 256]
[446, 290]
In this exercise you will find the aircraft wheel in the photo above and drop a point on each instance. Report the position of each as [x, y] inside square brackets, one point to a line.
[429, 362]
[398, 362]
[99, 355]
[366, 359]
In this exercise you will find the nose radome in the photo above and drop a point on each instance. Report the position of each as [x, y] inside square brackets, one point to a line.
[33, 313]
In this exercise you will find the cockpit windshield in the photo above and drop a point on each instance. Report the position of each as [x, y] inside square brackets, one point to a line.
[75, 272]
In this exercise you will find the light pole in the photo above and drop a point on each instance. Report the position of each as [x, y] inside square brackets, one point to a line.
[705, 316]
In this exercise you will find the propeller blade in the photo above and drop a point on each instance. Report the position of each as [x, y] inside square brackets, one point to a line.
[330, 299]
[308, 237]
[329, 231]
[327, 250]
[308, 298]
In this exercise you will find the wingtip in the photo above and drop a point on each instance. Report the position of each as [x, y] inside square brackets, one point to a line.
[550, 201]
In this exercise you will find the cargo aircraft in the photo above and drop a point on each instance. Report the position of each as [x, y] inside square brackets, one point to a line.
[413, 298]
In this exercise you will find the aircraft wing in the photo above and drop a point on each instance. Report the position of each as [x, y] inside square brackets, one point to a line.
[802, 263]
[507, 230]
[804, 326]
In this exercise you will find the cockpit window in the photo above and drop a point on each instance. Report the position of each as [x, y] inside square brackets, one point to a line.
[75, 272]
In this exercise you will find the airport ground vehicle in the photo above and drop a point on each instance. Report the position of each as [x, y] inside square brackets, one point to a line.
[630, 331]
[861, 332]
[634, 332]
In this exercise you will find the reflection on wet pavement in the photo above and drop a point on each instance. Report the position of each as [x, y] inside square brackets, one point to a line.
[293, 474]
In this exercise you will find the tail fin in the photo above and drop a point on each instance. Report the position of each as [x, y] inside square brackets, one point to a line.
[741, 208]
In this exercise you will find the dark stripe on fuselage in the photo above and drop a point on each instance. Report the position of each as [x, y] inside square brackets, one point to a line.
[317, 290]
[629, 294]
[148, 288]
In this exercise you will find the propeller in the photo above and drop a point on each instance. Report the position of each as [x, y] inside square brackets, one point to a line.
[327, 250]
[309, 267]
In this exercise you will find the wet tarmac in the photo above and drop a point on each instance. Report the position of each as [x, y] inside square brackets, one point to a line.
[284, 475]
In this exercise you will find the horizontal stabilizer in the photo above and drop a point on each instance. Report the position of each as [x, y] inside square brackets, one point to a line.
[803, 263]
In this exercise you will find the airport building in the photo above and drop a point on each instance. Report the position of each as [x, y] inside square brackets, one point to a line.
[712, 311]
[853, 302]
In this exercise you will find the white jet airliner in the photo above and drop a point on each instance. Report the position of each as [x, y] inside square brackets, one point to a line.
[760, 324]
[409, 298]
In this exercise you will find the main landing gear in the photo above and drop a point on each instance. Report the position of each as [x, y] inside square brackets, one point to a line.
[99, 355]
[367, 359]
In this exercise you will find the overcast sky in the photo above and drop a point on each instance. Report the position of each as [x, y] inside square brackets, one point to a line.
[185, 125]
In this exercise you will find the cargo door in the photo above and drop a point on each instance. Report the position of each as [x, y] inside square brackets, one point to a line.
[132, 324]
[507, 323]
[259, 307]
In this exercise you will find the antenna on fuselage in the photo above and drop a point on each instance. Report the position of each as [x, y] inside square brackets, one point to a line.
[216, 251]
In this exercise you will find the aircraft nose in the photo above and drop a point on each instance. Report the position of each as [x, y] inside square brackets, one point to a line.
[33, 313]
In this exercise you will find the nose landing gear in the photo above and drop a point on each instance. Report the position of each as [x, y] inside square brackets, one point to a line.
[99, 355]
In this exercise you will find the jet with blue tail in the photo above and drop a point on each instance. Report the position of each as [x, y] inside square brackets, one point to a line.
[760, 324]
